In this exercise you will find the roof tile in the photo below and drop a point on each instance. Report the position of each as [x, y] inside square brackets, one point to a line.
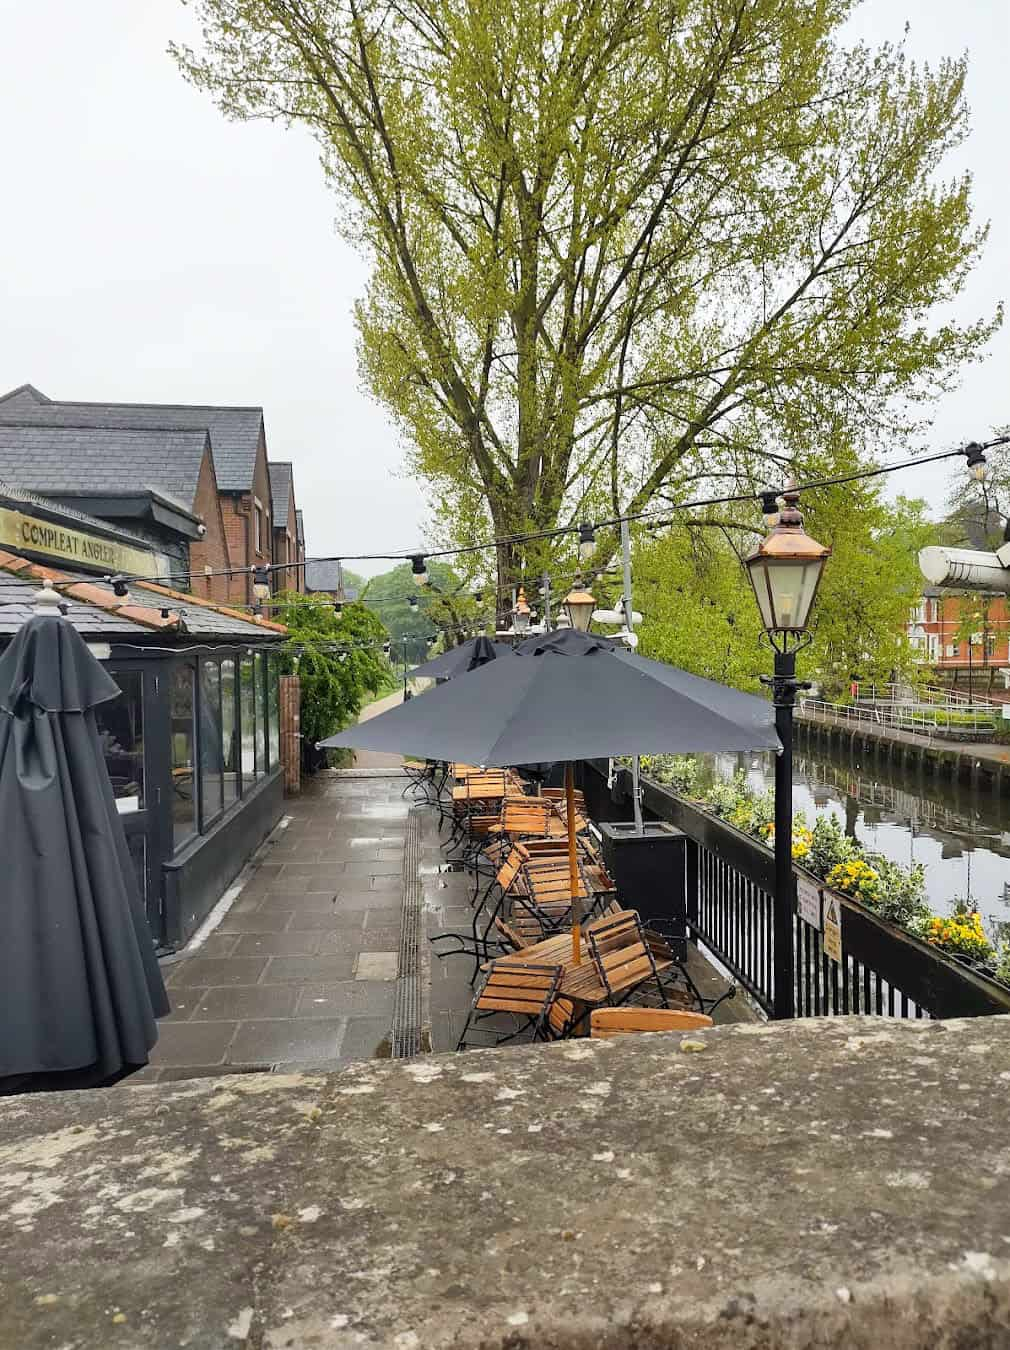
[235, 432]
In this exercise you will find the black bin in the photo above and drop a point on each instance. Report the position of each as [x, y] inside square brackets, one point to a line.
[648, 870]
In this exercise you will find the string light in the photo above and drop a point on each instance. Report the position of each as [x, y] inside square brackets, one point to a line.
[660, 516]
[587, 541]
[978, 465]
[770, 507]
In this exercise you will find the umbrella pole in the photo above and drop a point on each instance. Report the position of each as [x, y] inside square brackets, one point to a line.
[573, 866]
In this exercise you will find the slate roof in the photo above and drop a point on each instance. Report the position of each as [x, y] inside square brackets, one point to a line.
[280, 490]
[322, 576]
[93, 460]
[97, 612]
[235, 432]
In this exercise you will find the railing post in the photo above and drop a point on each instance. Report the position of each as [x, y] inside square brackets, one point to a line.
[784, 694]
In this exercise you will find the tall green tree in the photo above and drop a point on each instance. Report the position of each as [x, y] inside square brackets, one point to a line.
[700, 611]
[622, 248]
[411, 627]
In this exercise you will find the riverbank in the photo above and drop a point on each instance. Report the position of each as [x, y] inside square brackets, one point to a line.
[986, 765]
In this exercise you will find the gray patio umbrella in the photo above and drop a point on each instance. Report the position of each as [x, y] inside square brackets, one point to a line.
[573, 697]
[80, 987]
[467, 656]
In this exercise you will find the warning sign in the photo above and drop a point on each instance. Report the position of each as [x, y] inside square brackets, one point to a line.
[832, 940]
[808, 902]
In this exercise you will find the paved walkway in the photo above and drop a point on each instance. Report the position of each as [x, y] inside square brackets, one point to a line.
[374, 759]
[303, 967]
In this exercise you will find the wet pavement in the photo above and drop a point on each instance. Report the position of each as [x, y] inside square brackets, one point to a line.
[302, 969]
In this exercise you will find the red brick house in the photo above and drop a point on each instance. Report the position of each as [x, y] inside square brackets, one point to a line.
[239, 531]
[963, 640]
[288, 545]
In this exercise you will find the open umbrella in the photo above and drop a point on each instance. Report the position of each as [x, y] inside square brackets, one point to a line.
[575, 696]
[80, 987]
[458, 660]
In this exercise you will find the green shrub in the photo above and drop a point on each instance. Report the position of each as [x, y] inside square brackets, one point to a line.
[830, 845]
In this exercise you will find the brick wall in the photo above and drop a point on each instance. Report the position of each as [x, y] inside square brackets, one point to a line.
[295, 577]
[212, 550]
[236, 509]
[291, 741]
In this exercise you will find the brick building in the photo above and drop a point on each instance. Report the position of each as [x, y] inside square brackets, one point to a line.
[236, 437]
[288, 543]
[108, 472]
[965, 641]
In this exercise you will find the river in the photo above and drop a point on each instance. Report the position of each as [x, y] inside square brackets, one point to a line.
[960, 835]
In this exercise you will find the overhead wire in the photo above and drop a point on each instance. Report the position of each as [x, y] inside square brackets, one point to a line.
[411, 555]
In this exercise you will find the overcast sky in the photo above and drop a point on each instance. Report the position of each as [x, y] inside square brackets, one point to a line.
[152, 251]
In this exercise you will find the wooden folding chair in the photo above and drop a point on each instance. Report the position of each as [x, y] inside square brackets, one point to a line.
[525, 990]
[562, 1018]
[605, 1023]
[623, 958]
[522, 816]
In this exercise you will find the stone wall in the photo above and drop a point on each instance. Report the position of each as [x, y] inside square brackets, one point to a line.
[824, 1183]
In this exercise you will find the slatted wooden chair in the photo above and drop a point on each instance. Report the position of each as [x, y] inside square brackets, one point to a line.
[526, 991]
[560, 795]
[563, 1017]
[523, 817]
[605, 1023]
[623, 958]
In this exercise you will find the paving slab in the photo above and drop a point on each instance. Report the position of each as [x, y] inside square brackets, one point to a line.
[376, 965]
[309, 969]
[244, 1001]
[285, 1040]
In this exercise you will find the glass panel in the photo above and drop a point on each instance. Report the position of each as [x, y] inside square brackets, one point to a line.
[248, 721]
[229, 731]
[209, 742]
[261, 713]
[183, 783]
[275, 711]
[121, 731]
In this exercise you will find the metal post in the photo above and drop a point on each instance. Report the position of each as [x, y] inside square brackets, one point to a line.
[546, 586]
[784, 698]
[636, 789]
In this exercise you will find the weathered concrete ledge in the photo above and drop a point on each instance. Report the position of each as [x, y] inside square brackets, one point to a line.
[824, 1183]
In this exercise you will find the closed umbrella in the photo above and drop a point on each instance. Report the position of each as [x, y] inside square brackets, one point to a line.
[467, 656]
[80, 987]
[574, 696]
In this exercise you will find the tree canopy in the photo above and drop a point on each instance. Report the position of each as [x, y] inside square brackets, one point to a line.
[700, 612]
[410, 628]
[338, 659]
[622, 249]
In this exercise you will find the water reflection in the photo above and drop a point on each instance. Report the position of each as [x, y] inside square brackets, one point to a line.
[961, 835]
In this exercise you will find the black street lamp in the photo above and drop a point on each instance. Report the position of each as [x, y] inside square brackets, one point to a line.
[785, 571]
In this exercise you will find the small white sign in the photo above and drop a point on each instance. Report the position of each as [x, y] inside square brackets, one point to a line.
[126, 805]
[832, 941]
[808, 902]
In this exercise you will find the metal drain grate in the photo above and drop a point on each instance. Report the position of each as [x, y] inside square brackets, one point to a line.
[407, 1018]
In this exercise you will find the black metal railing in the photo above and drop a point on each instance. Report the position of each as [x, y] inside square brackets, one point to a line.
[728, 883]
